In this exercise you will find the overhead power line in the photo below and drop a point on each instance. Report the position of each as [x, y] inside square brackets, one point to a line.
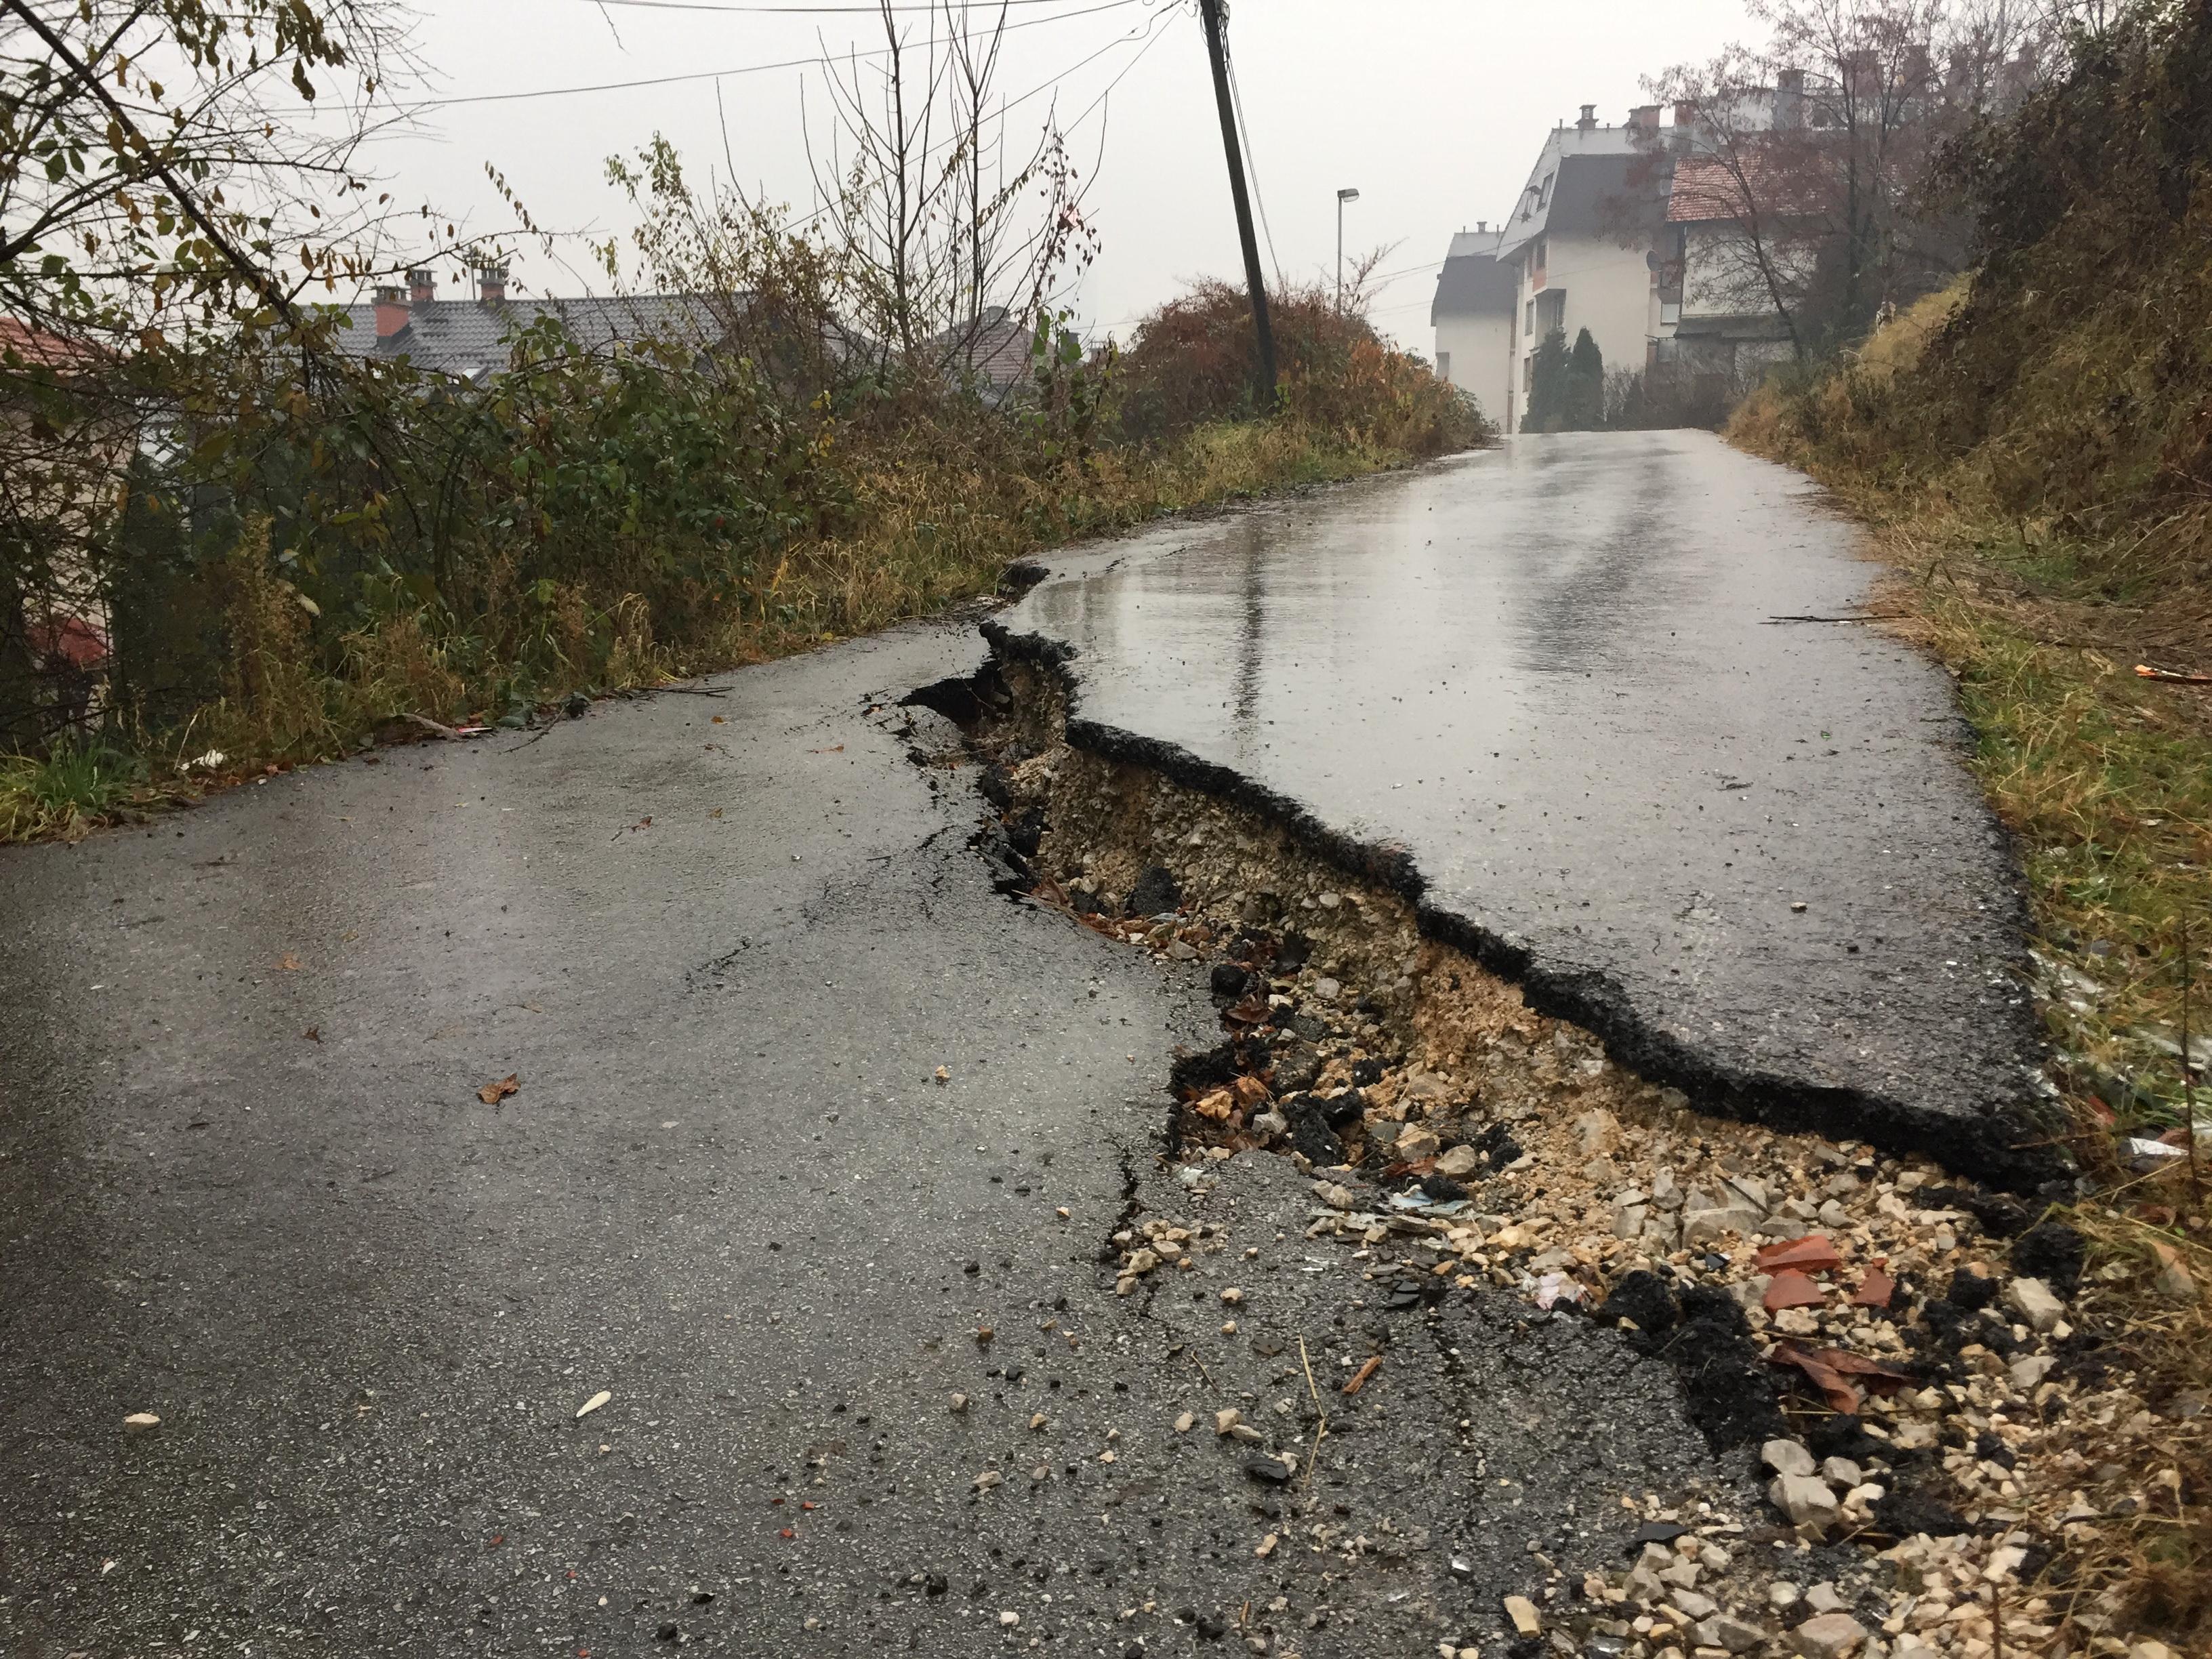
[743, 68]
[1251, 160]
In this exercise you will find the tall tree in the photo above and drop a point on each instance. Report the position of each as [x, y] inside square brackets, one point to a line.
[1584, 398]
[1799, 165]
[1547, 384]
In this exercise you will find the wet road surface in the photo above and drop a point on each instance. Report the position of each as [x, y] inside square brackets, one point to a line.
[247, 1184]
[1573, 680]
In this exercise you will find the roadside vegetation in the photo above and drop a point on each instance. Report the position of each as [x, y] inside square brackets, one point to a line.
[228, 544]
[2033, 445]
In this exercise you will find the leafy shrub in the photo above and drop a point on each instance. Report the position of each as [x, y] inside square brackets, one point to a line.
[1192, 361]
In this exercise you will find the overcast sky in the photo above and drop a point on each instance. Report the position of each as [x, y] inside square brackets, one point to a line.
[1433, 109]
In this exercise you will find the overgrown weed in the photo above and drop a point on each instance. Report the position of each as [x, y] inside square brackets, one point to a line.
[2033, 452]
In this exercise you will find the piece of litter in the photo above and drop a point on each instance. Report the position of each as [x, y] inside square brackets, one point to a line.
[593, 1403]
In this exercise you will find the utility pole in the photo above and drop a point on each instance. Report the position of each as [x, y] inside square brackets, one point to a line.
[1263, 384]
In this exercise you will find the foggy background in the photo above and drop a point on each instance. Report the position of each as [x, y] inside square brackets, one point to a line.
[1434, 110]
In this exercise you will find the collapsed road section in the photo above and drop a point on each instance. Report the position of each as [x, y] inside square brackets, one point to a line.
[1593, 710]
[1941, 1411]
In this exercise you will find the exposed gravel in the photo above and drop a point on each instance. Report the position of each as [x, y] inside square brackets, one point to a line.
[1902, 1351]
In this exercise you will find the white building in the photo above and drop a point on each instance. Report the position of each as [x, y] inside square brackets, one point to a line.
[1603, 238]
[1580, 241]
[1473, 316]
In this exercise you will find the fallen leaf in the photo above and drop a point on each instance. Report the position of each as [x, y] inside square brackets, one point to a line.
[289, 963]
[312, 1034]
[716, 813]
[2174, 1279]
[716, 719]
[593, 1403]
[1216, 1106]
[1840, 1395]
[1368, 1368]
[492, 1093]
[1828, 1370]
[1843, 1360]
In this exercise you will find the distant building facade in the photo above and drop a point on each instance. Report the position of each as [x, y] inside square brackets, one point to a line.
[1473, 315]
[1621, 231]
[1580, 249]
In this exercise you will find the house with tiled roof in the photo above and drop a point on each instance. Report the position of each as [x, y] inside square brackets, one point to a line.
[1473, 316]
[1580, 245]
[1728, 218]
[1625, 231]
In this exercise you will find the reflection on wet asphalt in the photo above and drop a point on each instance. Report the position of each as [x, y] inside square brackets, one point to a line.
[248, 1184]
[1559, 676]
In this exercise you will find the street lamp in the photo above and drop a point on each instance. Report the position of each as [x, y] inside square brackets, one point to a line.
[1342, 197]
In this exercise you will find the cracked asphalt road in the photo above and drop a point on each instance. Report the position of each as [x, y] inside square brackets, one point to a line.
[248, 1185]
[1601, 690]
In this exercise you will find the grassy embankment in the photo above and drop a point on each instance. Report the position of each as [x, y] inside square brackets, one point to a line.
[908, 505]
[2033, 452]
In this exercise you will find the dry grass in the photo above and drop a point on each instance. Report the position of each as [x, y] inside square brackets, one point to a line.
[2147, 1564]
[934, 527]
[2105, 780]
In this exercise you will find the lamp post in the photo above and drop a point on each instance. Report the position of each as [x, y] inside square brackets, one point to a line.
[1342, 197]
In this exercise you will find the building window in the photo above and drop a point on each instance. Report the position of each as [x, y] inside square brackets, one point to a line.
[1443, 365]
[1528, 323]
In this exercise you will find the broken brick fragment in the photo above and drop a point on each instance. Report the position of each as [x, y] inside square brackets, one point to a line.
[1791, 1288]
[1875, 1289]
[1811, 1254]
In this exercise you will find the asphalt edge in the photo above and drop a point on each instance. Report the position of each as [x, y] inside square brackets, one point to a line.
[2010, 1147]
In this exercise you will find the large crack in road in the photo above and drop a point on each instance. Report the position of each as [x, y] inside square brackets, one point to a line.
[806, 1108]
[251, 1190]
[1540, 694]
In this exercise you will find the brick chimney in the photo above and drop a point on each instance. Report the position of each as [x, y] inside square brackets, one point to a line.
[421, 286]
[1685, 115]
[1588, 119]
[1645, 117]
[1789, 98]
[391, 313]
[491, 284]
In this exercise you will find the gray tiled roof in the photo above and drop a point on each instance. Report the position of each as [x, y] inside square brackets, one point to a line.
[1580, 177]
[464, 338]
[1473, 281]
